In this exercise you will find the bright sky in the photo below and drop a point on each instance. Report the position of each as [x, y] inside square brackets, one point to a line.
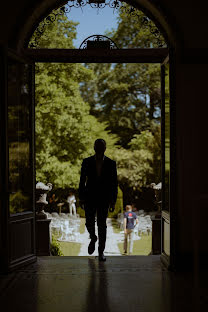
[92, 21]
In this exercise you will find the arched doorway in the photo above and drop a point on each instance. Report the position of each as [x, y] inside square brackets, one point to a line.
[20, 223]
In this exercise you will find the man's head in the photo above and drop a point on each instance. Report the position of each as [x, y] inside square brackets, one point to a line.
[99, 147]
[128, 208]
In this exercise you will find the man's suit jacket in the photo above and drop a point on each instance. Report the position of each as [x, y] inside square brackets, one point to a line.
[103, 188]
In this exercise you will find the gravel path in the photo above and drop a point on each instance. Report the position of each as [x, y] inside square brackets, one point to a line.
[112, 240]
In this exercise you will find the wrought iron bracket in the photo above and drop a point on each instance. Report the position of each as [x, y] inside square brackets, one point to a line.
[98, 42]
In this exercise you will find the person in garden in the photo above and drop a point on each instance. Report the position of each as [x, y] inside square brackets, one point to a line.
[71, 202]
[53, 202]
[130, 218]
[98, 190]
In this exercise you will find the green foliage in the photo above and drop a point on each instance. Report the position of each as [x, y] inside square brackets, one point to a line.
[150, 142]
[135, 30]
[19, 164]
[126, 96]
[55, 248]
[58, 33]
[18, 202]
[81, 212]
[65, 130]
[134, 168]
[118, 206]
[76, 104]
[139, 165]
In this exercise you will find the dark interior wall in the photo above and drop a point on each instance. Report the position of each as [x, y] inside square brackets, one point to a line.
[190, 19]
[191, 97]
[187, 130]
[188, 16]
[200, 110]
[9, 15]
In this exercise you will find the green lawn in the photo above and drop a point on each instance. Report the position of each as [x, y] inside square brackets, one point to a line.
[140, 247]
[82, 225]
[71, 248]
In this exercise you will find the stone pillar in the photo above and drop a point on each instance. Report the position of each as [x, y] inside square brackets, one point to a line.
[156, 235]
[42, 224]
[43, 237]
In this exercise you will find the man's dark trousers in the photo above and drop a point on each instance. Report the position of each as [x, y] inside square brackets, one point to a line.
[101, 208]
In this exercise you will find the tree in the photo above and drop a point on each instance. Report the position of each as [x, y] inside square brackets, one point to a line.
[76, 104]
[65, 131]
[139, 165]
[136, 30]
[127, 96]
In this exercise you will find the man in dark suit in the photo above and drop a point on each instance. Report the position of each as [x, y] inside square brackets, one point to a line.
[98, 189]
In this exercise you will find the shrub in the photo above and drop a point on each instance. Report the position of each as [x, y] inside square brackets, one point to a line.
[80, 212]
[55, 248]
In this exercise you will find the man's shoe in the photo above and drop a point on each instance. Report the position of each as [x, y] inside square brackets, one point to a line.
[91, 247]
[102, 257]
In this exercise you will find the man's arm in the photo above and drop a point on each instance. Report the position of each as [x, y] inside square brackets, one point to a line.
[82, 182]
[124, 225]
[114, 183]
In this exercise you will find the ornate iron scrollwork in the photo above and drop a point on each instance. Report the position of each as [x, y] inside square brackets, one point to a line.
[46, 21]
[98, 4]
[145, 21]
[98, 42]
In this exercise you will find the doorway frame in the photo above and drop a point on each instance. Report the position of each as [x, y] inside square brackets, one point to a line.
[9, 257]
[122, 56]
[132, 56]
[32, 16]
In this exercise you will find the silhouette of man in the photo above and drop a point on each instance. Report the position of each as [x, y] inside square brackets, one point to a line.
[98, 189]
